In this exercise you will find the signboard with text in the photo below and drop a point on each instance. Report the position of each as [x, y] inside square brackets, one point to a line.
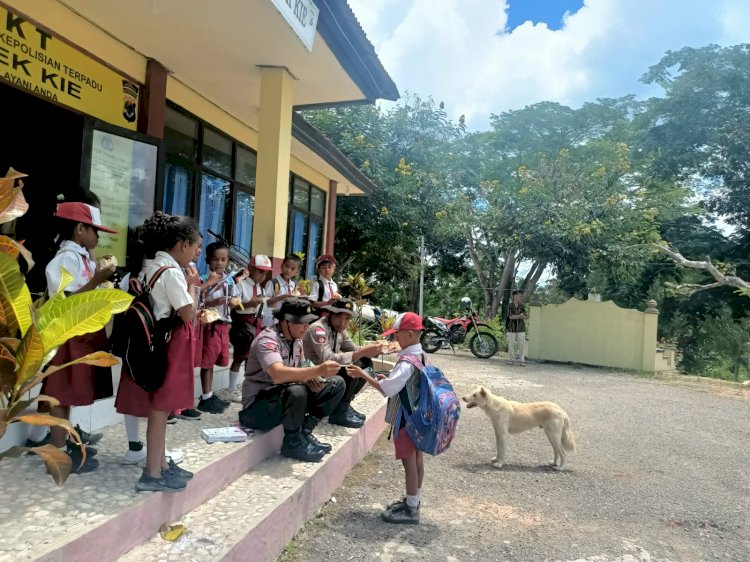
[302, 16]
[34, 60]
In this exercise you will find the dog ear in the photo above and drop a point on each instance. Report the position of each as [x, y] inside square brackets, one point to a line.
[483, 391]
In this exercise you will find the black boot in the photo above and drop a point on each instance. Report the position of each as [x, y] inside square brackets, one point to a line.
[346, 419]
[295, 446]
[307, 432]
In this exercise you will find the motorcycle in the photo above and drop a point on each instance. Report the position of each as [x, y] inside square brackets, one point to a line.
[442, 332]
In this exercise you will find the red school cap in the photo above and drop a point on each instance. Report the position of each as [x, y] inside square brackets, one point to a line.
[83, 213]
[326, 258]
[405, 321]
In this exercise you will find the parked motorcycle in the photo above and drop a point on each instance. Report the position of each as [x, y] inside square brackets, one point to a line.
[442, 332]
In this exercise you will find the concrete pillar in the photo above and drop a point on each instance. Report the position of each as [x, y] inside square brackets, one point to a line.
[534, 329]
[272, 175]
[650, 324]
[152, 101]
[331, 217]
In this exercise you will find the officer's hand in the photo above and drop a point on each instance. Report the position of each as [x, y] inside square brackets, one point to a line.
[372, 350]
[315, 385]
[328, 368]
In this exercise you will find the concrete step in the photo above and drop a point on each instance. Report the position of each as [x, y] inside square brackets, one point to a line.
[254, 517]
[99, 516]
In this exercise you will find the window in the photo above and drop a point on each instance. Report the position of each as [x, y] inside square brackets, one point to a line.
[306, 216]
[208, 175]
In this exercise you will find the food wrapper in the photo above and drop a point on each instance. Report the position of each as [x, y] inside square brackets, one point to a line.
[236, 302]
[209, 315]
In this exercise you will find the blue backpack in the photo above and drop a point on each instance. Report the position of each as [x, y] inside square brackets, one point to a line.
[432, 425]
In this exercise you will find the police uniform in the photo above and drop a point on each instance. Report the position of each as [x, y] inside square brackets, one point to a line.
[322, 343]
[266, 404]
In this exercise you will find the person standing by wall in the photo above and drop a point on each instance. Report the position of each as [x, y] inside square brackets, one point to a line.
[515, 326]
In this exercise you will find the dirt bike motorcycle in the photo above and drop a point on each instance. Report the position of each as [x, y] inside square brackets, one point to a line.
[442, 332]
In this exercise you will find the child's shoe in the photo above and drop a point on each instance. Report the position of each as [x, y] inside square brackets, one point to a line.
[401, 514]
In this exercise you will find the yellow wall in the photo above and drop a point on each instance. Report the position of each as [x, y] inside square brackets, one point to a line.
[595, 333]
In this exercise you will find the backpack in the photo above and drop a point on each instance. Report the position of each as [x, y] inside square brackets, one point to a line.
[433, 425]
[139, 339]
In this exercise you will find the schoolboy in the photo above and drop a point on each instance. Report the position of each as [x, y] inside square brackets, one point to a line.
[278, 390]
[326, 340]
[407, 329]
[324, 290]
[281, 287]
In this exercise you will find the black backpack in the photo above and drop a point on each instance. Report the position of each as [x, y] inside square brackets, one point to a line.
[139, 339]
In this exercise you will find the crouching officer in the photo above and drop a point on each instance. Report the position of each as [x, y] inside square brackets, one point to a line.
[277, 389]
[327, 340]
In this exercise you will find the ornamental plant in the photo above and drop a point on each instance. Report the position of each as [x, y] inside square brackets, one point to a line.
[32, 331]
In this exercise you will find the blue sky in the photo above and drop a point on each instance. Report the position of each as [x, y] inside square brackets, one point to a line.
[488, 56]
[550, 12]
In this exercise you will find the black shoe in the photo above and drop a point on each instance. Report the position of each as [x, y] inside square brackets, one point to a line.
[211, 405]
[76, 456]
[295, 446]
[346, 420]
[88, 438]
[405, 515]
[167, 483]
[177, 472]
[357, 414]
[310, 436]
[90, 451]
[189, 414]
[171, 419]
[221, 401]
[31, 444]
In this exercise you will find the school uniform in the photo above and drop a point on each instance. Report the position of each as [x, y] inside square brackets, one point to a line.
[77, 385]
[248, 321]
[267, 404]
[168, 294]
[329, 290]
[403, 375]
[275, 287]
[215, 345]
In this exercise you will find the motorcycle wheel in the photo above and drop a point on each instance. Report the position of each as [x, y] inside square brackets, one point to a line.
[483, 345]
[430, 342]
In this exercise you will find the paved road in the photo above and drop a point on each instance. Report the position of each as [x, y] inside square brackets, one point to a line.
[662, 473]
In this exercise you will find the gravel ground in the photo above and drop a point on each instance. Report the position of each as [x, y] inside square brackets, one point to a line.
[661, 474]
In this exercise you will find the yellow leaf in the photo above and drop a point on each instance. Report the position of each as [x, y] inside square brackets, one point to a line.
[66, 278]
[79, 319]
[14, 249]
[57, 461]
[58, 307]
[12, 202]
[29, 356]
[15, 299]
[172, 532]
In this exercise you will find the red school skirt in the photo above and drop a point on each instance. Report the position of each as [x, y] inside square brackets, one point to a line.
[215, 348]
[178, 389]
[79, 385]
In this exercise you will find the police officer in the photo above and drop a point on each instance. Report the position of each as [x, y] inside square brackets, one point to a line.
[278, 389]
[327, 340]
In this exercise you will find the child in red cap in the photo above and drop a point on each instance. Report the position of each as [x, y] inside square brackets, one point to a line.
[407, 329]
[324, 290]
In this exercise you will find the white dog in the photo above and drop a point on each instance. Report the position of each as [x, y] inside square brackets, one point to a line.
[510, 417]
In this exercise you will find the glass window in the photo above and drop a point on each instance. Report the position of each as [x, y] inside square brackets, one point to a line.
[180, 136]
[316, 245]
[217, 152]
[299, 232]
[317, 202]
[178, 190]
[212, 215]
[246, 165]
[243, 220]
[301, 197]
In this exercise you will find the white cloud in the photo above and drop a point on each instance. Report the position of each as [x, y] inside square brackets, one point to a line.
[454, 50]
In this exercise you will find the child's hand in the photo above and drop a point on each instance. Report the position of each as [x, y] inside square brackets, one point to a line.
[257, 301]
[191, 275]
[355, 371]
[101, 274]
[328, 368]
[212, 279]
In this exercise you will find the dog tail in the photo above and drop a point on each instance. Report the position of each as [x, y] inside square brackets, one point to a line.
[568, 441]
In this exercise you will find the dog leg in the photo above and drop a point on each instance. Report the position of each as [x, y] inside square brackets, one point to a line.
[553, 430]
[501, 442]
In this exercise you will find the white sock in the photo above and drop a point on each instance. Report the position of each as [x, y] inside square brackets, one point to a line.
[234, 376]
[419, 494]
[131, 428]
[38, 432]
[207, 396]
[412, 501]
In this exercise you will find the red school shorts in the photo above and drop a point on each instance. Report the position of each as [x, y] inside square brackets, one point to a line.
[404, 445]
[215, 345]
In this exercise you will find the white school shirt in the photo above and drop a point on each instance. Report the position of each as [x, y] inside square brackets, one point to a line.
[329, 289]
[285, 288]
[76, 260]
[400, 374]
[249, 289]
[227, 289]
[170, 292]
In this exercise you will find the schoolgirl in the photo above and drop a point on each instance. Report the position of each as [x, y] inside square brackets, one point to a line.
[170, 241]
[220, 292]
[247, 321]
[79, 225]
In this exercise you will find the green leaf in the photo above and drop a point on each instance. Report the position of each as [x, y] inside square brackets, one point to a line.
[57, 307]
[14, 249]
[78, 318]
[29, 356]
[66, 278]
[15, 299]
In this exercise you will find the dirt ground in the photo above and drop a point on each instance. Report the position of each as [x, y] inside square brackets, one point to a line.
[662, 473]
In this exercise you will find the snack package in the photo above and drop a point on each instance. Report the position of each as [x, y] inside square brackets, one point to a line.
[209, 315]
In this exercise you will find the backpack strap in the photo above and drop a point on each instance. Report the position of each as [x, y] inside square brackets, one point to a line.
[414, 361]
[321, 290]
[276, 286]
[156, 276]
